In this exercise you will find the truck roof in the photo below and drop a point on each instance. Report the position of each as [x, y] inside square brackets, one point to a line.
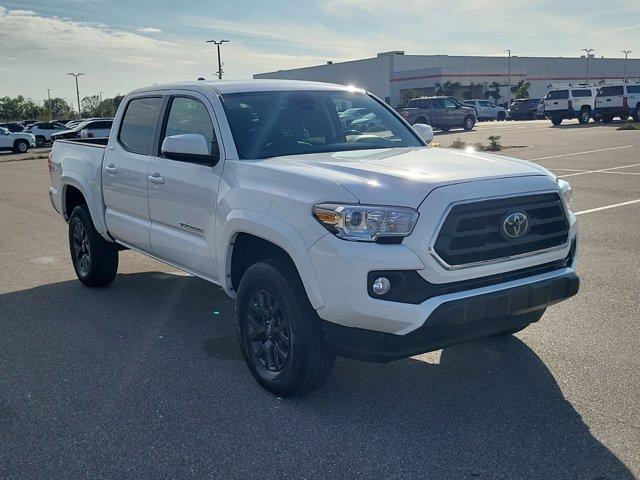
[238, 86]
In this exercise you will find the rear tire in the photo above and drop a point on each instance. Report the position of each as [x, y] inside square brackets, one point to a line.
[556, 120]
[636, 114]
[607, 118]
[20, 146]
[279, 331]
[501, 116]
[469, 123]
[584, 116]
[40, 141]
[94, 259]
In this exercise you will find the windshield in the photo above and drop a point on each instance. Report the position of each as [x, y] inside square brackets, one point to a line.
[269, 124]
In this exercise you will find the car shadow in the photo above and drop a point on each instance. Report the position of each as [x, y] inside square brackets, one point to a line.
[145, 379]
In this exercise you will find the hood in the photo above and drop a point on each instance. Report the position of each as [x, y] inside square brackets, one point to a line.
[401, 176]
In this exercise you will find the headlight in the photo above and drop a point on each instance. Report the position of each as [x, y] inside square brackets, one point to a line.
[366, 223]
[565, 189]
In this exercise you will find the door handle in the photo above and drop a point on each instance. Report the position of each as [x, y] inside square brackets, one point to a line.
[156, 179]
[111, 169]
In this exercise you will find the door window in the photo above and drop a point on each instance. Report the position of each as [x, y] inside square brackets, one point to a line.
[448, 103]
[557, 94]
[190, 116]
[610, 91]
[581, 93]
[633, 89]
[139, 123]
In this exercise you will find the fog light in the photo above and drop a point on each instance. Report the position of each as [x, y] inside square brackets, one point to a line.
[381, 286]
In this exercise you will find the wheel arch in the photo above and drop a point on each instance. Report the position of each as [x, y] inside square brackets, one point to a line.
[72, 186]
[254, 235]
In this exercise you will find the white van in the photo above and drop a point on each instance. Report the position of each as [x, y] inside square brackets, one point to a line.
[570, 102]
[618, 100]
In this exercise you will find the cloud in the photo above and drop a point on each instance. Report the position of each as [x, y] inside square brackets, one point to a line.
[40, 37]
[148, 30]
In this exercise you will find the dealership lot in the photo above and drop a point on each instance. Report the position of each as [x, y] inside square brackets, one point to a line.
[145, 379]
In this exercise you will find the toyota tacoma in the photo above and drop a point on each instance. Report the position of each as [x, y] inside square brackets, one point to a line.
[331, 240]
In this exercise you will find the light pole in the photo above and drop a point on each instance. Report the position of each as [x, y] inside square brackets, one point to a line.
[100, 93]
[508, 77]
[217, 44]
[588, 50]
[626, 54]
[76, 75]
[49, 97]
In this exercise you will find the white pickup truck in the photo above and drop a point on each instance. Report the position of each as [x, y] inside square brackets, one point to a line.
[370, 245]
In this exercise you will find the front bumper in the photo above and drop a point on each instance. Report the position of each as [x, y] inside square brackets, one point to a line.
[457, 321]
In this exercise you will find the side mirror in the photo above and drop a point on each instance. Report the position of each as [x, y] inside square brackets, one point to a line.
[190, 147]
[424, 131]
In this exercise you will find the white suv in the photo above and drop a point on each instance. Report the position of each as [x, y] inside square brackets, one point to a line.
[19, 142]
[43, 131]
[619, 100]
[570, 102]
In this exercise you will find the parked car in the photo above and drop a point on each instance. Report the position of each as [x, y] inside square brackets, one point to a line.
[13, 127]
[371, 246]
[486, 110]
[368, 123]
[524, 109]
[19, 142]
[86, 129]
[439, 112]
[570, 102]
[350, 114]
[44, 130]
[619, 100]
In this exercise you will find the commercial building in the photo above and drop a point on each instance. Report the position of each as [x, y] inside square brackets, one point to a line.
[395, 76]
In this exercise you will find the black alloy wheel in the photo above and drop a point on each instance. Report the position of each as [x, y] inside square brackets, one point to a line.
[269, 330]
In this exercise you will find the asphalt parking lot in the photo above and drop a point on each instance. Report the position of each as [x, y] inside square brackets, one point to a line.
[144, 379]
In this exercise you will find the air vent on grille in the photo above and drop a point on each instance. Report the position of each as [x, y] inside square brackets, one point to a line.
[472, 233]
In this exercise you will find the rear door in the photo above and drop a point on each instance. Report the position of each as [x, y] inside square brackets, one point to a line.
[182, 194]
[125, 169]
[610, 97]
[438, 113]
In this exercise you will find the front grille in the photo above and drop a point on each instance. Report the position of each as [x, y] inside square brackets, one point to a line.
[472, 232]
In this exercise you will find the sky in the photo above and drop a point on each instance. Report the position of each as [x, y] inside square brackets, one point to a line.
[123, 45]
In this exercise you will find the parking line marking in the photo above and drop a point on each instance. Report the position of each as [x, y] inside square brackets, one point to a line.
[601, 170]
[608, 207]
[580, 153]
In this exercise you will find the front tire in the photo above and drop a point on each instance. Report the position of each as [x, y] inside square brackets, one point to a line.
[21, 146]
[279, 331]
[607, 119]
[94, 259]
[469, 123]
[556, 120]
[40, 141]
[501, 116]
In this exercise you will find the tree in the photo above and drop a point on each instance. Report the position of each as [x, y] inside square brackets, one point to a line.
[521, 89]
[59, 108]
[408, 95]
[494, 93]
[90, 106]
[448, 88]
[18, 108]
[474, 91]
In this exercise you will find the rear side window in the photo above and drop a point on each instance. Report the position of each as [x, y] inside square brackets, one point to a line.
[558, 94]
[610, 91]
[633, 89]
[581, 93]
[139, 123]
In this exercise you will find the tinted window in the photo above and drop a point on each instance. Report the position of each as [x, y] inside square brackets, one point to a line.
[188, 115]
[610, 91]
[581, 93]
[139, 123]
[633, 88]
[268, 124]
[448, 103]
[533, 102]
[558, 94]
[437, 103]
[101, 125]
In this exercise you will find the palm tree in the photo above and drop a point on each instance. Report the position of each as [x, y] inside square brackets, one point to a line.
[495, 93]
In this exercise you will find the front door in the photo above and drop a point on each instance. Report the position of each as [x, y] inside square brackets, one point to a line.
[125, 169]
[454, 115]
[182, 194]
